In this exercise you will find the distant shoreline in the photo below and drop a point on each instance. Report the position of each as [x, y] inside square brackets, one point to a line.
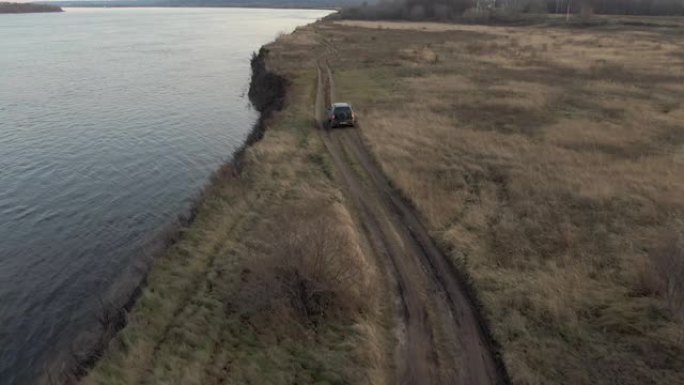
[254, 6]
[28, 8]
[289, 4]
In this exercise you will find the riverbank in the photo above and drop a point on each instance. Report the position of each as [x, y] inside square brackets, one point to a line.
[219, 304]
[90, 183]
[28, 8]
[544, 164]
[266, 93]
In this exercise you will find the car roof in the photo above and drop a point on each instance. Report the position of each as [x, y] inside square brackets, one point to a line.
[341, 105]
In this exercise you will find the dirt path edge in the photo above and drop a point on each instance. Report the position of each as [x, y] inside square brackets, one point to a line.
[440, 265]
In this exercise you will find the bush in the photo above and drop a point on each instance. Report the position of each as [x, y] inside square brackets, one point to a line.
[311, 269]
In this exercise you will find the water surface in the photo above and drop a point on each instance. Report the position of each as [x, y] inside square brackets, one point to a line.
[111, 120]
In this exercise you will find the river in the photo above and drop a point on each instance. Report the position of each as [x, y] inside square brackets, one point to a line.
[111, 121]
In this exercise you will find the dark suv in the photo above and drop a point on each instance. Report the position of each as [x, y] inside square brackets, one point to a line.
[341, 114]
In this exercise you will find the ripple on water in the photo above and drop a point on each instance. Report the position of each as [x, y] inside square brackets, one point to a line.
[111, 120]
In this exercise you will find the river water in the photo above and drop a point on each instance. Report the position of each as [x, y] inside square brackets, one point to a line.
[111, 121]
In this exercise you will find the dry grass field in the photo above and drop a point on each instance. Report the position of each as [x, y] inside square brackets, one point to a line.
[549, 161]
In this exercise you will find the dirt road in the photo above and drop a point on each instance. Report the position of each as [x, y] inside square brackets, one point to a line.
[442, 339]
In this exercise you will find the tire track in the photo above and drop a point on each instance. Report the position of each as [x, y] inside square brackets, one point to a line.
[442, 339]
[193, 288]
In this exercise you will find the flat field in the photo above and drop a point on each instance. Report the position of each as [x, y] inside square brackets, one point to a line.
[550, 162]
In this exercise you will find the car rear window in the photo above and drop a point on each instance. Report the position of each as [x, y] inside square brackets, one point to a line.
[343, 110]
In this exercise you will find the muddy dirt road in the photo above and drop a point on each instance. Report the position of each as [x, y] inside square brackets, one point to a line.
[442, 339]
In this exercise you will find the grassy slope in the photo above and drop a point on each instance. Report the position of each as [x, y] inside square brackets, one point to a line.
[550, 162]
[207, 315]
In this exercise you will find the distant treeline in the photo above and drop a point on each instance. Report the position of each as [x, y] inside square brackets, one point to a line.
[614, 7]
[458, 9]
[27, 8]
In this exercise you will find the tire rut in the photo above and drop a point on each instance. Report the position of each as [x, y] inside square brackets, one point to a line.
[193, 289]
[442, 338]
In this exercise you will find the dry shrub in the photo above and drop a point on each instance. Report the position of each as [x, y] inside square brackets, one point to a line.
[646, 281]
[311, 268]
[427, 55]
[419, 55]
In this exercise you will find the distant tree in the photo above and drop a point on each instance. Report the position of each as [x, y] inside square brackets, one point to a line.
[586, 8]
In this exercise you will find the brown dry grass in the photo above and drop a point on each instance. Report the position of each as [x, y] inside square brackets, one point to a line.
[310, 270]
[270, 283]
[550, 162]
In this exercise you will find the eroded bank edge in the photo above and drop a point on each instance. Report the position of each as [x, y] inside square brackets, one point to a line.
[267, 91]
